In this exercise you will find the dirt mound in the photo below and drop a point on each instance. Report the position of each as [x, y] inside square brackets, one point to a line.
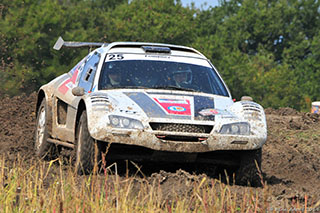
[17, 118]
[290, 162]
[282, 111]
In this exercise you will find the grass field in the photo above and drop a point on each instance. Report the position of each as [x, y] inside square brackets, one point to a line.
[54, 187]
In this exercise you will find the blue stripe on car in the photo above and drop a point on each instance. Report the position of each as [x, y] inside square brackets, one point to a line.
[150, 107]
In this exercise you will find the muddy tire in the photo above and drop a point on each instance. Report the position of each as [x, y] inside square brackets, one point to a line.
[42, 147]
[87, 150]
[248, 172]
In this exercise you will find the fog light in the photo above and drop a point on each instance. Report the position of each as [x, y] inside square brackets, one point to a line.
[239, 128]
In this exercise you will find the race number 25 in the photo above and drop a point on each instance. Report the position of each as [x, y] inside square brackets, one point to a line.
[115, 57]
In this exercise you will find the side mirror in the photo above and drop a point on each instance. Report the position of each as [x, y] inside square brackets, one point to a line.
[246, 98]
[78, 91]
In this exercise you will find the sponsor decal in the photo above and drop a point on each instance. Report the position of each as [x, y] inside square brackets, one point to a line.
[69, 83]
[174, 106]
[152, 107]
[177, 108]
[208, 112]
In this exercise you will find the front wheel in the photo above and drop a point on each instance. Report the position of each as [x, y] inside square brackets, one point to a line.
[87, 150]
[250, 168]
[42, 147]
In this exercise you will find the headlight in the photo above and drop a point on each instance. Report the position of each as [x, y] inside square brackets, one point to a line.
[241, 128]
[124, 122]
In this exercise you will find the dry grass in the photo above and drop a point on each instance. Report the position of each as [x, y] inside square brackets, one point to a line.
[54, 187]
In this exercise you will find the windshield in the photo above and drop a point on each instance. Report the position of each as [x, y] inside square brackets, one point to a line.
[160, 75]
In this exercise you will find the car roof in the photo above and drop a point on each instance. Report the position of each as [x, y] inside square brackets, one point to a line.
[140, 48]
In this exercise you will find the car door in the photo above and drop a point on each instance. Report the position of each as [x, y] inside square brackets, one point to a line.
[66, 103]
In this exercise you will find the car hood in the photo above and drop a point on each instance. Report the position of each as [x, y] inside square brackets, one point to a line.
[167, 104]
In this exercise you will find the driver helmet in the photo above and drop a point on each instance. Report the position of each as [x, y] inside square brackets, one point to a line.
[181, 75]
[113, 73]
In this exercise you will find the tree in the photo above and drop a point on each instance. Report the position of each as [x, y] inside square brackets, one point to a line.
[151, 21]
[268, 49]
[29, 30]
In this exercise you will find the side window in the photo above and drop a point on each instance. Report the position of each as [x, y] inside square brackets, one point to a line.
[217, 85]
[89, 71]
[71, 72]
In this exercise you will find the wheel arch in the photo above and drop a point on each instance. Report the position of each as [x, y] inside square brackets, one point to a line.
[44, 94]
[40, 97]
[81, 108]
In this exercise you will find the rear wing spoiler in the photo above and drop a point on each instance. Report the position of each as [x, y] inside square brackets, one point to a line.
[74, 44]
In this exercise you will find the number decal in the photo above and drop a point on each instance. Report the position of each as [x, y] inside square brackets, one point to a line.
[115, 57]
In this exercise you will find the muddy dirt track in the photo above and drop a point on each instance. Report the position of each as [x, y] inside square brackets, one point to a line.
[290, 162]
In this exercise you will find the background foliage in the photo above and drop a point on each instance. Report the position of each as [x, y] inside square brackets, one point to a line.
[268, 49]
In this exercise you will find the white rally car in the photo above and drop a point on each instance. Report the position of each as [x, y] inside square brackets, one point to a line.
[150, 101]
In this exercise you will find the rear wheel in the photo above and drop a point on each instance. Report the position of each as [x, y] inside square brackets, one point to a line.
[87, 150]
[250, 168]
[42, 147]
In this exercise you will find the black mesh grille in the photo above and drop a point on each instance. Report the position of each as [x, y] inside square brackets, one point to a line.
[181, 127]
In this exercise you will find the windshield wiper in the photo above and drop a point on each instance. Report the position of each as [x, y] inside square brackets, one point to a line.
[175, 88]
[127, 87]
[135, 87]
[157, 87]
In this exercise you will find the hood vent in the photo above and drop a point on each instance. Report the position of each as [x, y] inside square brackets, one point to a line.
[252, 111]
[100, 101]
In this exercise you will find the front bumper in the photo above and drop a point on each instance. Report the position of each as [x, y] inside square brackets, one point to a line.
[155, 140]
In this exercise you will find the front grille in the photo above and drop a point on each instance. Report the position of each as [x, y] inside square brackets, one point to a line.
[190, 128]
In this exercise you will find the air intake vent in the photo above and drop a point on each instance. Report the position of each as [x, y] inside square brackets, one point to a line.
[252, 110]
[178, 138]
[99, 99]
[156, 49]
[100, 102]
[248, 105]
